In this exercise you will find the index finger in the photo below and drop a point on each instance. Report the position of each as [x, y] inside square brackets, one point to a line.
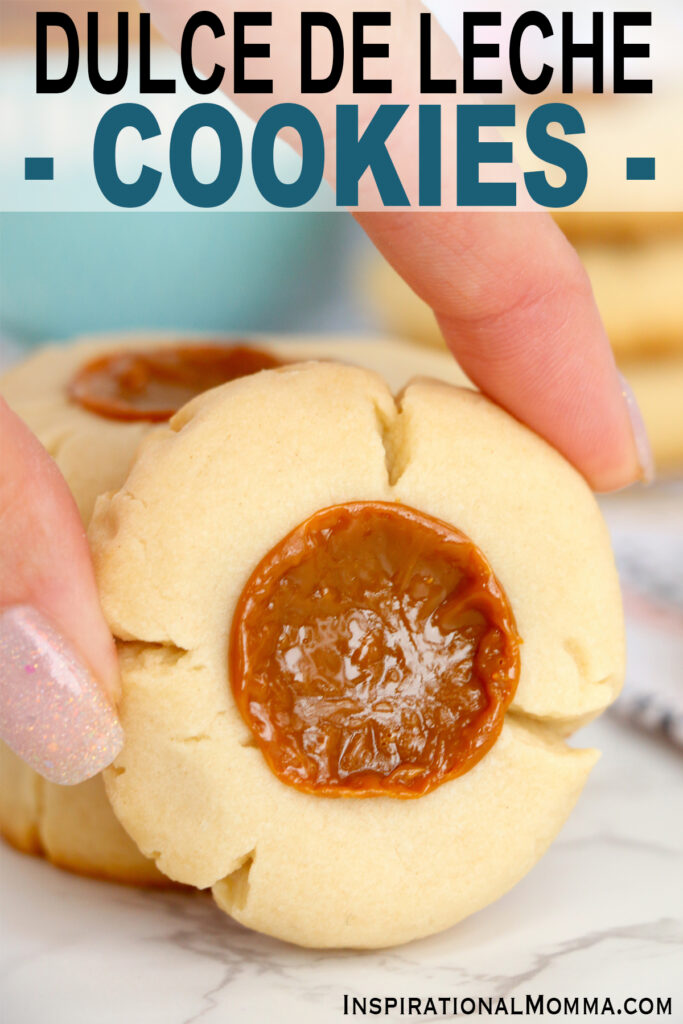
[510, 294]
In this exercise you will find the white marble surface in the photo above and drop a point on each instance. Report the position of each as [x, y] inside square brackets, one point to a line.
[601, 915]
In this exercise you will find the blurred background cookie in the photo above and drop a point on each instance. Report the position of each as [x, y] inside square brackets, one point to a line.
[638, 290]
[94, 445]
[74, 827]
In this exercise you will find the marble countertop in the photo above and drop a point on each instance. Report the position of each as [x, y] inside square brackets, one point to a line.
[601, 915]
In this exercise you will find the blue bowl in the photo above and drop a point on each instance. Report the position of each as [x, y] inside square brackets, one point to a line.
[68, 273]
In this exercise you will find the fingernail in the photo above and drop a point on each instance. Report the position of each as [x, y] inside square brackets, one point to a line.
[642, 441]
[53, 713]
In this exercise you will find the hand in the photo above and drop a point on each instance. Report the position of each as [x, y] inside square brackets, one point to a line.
[58, 667]
[513, 301]
[516, 309]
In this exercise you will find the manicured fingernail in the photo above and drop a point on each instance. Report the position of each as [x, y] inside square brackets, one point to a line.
[53, 713]
[642, 441]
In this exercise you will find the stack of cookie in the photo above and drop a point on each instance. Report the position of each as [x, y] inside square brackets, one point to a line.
[354, 631]
[635, 263]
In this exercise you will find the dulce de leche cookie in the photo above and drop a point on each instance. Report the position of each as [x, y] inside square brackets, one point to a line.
[150, 384]
[354, 631]
[93, 401]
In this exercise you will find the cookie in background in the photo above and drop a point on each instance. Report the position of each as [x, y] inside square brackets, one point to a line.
[91, 403]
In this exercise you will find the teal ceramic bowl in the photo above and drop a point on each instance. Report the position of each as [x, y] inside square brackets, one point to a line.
[66, 274]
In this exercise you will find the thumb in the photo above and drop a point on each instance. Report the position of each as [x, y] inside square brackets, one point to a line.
[58, 669]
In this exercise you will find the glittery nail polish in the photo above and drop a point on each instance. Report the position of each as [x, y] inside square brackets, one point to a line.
[53, 713]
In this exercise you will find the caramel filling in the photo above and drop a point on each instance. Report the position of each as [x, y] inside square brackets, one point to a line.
[153, 385]
[373, 652]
